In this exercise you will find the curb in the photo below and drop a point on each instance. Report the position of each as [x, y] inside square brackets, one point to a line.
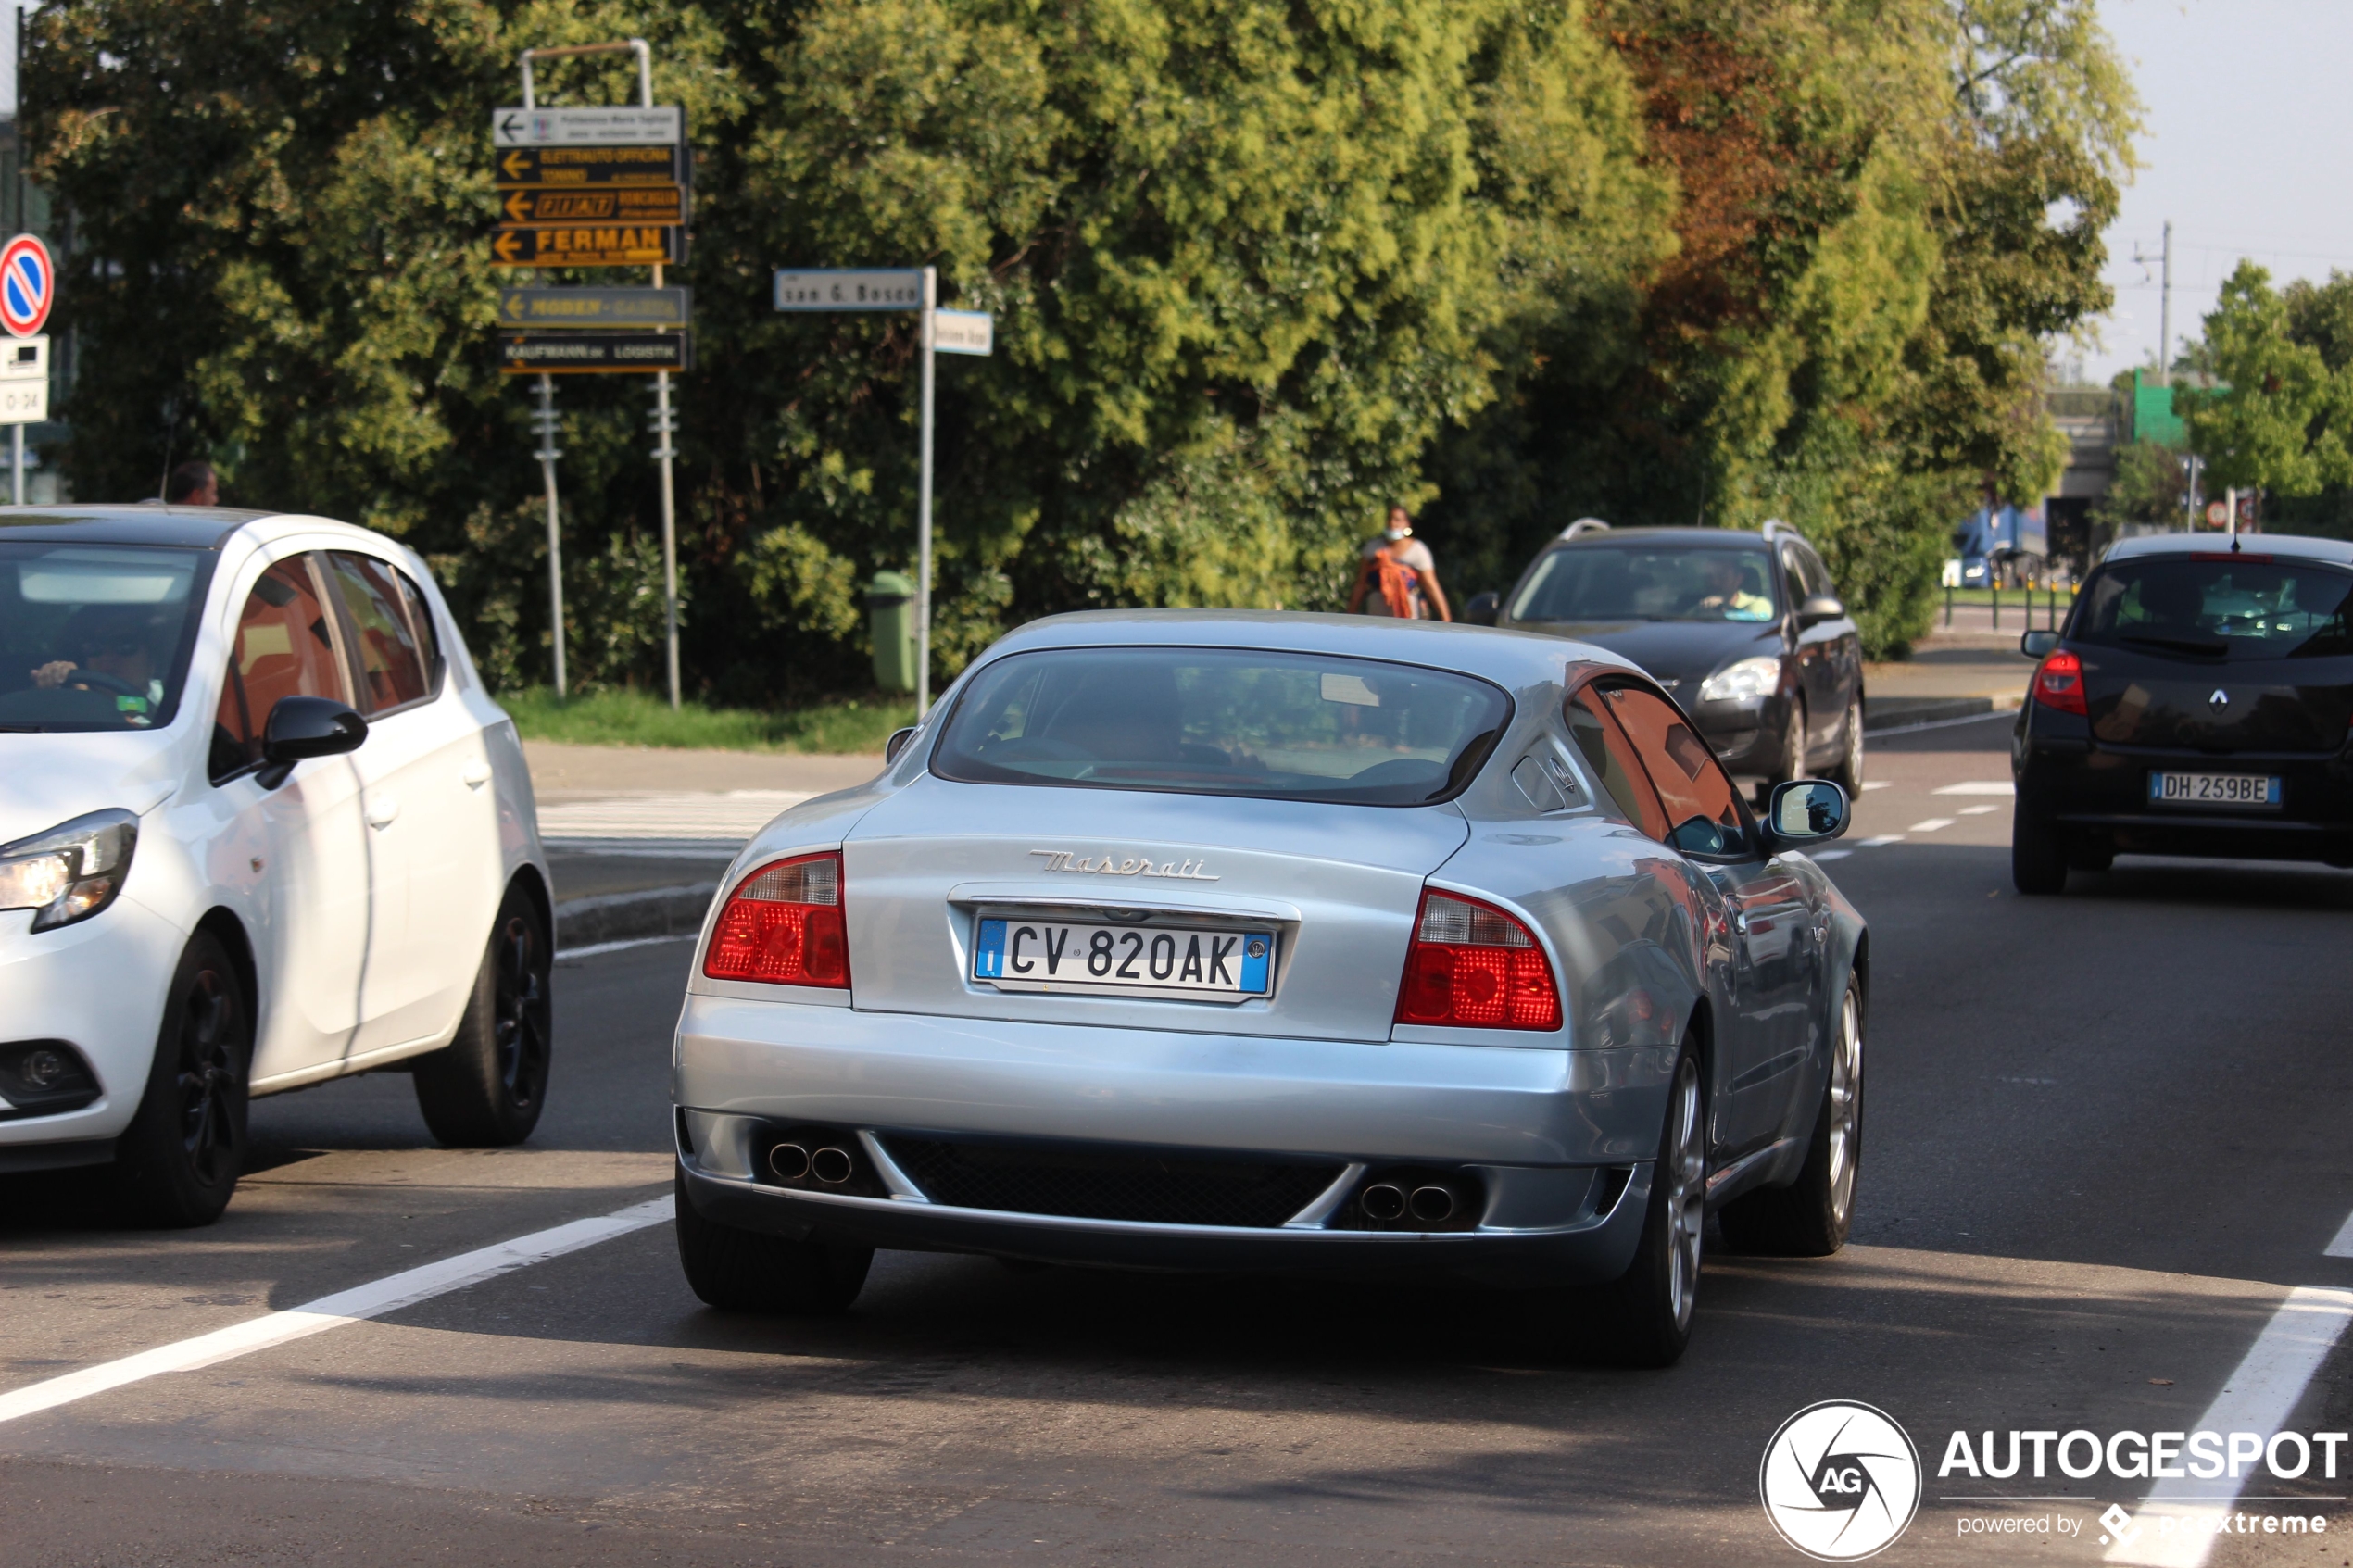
[1880, 714]
[618, 917]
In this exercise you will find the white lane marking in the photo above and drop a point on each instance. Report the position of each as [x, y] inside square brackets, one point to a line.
[2343, 1246]
[358, 1304]
[2009, 712]
[594, 948]
[1978, 786]
[1820, 855]
[1934, 824]
[1882, 841]
[2258, 1397]
[1978, 810]
[1878, 784]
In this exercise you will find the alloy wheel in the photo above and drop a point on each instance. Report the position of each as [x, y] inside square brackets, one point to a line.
[1853, 769]
[1686, 1176]
[1846, 1106]
[520, 1010]
[208, 1083]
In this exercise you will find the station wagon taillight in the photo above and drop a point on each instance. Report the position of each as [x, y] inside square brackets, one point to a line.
[783, 925]
[1474, 967]
[2058, 683]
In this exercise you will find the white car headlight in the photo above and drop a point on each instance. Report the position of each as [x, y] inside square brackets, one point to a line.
[1748, 683]
[72, 871]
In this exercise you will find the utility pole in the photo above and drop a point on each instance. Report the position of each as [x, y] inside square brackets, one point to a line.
[544, 421]
[2164, 259]
[923, 508]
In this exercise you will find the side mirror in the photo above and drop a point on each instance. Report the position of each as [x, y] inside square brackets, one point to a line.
[2034, 645]
[897, 744]
[1482, 609]
[301, 727]
[1820, 607]
[1806, 811]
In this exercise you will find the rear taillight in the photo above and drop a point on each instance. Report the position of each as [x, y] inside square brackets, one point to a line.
[2058, 683]
[783, 925]
[1474, 967]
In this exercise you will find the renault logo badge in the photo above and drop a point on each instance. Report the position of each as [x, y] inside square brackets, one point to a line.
[2219, 700]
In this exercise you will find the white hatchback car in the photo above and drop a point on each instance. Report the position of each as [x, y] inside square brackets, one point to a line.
[261, 827]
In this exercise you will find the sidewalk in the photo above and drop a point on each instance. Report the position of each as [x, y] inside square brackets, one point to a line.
[1950, 675]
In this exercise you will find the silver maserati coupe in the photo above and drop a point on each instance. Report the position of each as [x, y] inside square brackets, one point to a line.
[1228, 940]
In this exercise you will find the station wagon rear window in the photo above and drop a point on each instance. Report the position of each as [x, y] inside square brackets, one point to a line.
[1277, 726]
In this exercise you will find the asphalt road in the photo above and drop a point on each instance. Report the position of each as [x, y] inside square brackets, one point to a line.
[2105, 1139]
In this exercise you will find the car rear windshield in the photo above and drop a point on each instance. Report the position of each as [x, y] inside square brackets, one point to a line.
[1635, 582]
[2222, 606]
[1279, 726]
[96, 636]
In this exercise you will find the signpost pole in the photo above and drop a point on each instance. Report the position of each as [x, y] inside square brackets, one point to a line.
[16, 442]
[548, 456]
[922, 510]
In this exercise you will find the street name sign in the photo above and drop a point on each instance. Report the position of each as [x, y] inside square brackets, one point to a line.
[594, 307]
[962, 332]
[851, 289]
[629, 245]
[572, 166]
[654, 125]
[605, 203]
[24, 381]
[592, 352]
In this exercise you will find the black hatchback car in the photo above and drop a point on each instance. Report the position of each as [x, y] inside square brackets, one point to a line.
[2196, 703]
[1744, 628]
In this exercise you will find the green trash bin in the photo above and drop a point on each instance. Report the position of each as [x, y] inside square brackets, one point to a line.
[890, 614]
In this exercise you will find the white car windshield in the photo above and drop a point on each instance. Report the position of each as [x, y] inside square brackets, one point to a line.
[96, 636]
[1632, 582]
[1279, 726]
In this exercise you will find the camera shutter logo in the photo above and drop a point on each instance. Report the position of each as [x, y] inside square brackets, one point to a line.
[1840, 1481]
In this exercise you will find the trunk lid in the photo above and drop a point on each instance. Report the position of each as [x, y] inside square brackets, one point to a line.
[1337, 885]
[2220, 707]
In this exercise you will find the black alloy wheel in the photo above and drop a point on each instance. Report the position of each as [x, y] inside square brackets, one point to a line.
[1848, 774]
[178, 1163]
[486, 1089]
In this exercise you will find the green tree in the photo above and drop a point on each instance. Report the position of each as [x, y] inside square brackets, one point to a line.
[2280, 418]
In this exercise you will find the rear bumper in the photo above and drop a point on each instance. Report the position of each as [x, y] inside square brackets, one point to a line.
[1537, 1128]
[1590, 1249]
[2103, 795]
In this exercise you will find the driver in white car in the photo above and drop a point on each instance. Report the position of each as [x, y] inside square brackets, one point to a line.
[113, 641]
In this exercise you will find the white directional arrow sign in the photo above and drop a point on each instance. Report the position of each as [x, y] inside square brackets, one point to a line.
[655, 125]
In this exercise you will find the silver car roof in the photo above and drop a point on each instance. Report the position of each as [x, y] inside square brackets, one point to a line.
[2335, 552]
[1512, 660]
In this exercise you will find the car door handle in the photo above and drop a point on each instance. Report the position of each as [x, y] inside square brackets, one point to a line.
[381, 808]
[476, 774]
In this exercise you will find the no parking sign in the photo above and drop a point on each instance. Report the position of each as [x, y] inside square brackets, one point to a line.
[28, 285]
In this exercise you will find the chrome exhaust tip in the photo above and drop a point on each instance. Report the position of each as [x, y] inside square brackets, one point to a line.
[1433, 1205]
[1382, 1200]
[831, 1166]
[790, 1161]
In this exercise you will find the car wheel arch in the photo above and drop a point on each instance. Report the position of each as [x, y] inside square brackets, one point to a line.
[527, 877]
[223, 922]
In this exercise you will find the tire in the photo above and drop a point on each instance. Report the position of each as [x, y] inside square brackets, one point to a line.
[1790, 764]
[485, 1088]
[2038, 855]
[740, 1271]
[1810, 1217]
[1647, 1314]
[178, 1163]
[1848, 773]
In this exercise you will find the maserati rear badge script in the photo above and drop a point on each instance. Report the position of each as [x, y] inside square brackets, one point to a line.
[1117, 865]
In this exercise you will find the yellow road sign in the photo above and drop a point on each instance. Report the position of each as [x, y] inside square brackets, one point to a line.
[605, 203]
[607, 245]
[592, 166]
